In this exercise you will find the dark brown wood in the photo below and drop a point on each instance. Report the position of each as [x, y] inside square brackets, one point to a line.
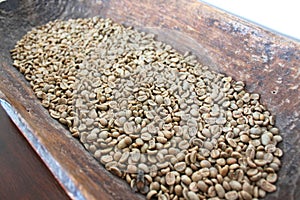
[23, 174]
[267, 62]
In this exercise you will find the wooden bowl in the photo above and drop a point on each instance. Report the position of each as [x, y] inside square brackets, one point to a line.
[267, 62]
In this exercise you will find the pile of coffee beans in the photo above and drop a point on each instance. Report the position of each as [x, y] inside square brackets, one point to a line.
[169, 126]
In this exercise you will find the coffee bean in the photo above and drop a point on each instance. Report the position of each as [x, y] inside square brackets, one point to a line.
[170, 178]
[246, 195]
[178, 190]
[231, 195]
[235, 185]
[267, 186]
[220, 190]
[192, 195]
[151, 194]
[186, 179]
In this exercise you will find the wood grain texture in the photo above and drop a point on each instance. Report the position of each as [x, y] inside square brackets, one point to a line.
[23, 174]
[268, 63]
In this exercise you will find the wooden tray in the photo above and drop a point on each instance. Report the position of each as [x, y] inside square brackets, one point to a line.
[267, 62]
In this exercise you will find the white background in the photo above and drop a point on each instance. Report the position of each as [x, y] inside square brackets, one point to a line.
[281, 16]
